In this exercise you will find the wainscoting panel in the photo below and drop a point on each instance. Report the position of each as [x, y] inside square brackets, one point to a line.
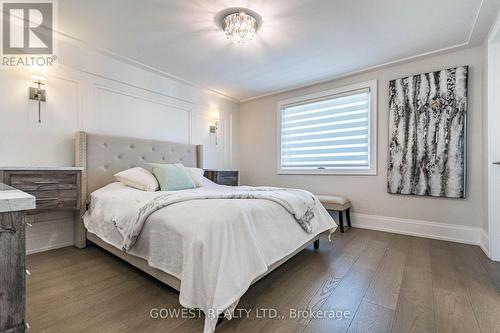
[121, 113]
[218, 147]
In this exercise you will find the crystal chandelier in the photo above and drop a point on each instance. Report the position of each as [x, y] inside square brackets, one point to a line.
[240, 27]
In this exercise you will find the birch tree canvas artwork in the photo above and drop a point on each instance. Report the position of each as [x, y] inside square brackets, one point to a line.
[427, 134]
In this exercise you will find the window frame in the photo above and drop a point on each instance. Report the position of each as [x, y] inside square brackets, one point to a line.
[331, 93]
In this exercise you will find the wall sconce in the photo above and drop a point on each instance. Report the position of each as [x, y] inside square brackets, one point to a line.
[37, 93]
[214, 127]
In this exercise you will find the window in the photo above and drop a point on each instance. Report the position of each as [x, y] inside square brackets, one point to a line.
[332, 132]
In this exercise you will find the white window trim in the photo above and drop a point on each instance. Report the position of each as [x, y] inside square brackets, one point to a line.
[372, 171]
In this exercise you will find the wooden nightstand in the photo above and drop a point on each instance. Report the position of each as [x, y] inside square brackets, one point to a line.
[13, 205]
[223, 177]
[56, 189]
[53, 188]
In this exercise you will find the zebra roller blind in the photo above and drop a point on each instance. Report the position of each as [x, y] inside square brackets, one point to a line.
[331, 132]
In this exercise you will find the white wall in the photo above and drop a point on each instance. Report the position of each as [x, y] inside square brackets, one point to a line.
[449, 218]
[95, 92]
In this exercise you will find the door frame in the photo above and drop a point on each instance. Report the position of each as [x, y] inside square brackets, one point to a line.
[493, 140]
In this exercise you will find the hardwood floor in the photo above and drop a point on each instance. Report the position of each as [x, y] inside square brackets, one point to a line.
[371, 281]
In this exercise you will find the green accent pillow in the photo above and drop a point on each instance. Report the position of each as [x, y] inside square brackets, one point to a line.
[172, 177]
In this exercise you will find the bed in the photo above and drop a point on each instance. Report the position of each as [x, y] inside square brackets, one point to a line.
[210, 263]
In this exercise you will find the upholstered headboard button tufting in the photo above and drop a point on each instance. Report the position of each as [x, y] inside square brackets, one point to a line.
[121, 153]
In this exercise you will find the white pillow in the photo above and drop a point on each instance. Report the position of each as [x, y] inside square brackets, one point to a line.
[196, 175]
[138, 178]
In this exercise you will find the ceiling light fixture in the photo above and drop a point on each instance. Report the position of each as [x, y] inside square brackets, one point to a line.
[239, 24]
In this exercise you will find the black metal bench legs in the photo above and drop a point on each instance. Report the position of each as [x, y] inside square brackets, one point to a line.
[341, 219]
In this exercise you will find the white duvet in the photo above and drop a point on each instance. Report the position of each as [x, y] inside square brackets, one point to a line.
[215, 247]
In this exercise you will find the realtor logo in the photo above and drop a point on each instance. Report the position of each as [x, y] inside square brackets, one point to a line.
[27, 34]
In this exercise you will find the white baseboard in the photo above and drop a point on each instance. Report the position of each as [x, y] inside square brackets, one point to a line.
[485, 243]
[427, 229]
[49, 247]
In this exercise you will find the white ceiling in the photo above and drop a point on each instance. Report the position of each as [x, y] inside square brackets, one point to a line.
[300, 42]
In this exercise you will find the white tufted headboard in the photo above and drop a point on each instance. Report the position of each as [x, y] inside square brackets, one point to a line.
[102, 156]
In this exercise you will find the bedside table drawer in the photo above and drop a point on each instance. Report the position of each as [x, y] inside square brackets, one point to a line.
[53, 189]
[55, 199]
[43, 181]
[227, 178]
[223, 177]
